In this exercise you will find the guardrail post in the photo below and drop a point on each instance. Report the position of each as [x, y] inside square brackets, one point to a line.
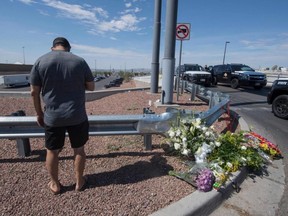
[211, 100]
[148, 141]
[182, 86]
[193, 92]
[23, 145]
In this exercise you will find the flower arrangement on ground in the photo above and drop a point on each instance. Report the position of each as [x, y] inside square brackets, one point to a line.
[216, 156]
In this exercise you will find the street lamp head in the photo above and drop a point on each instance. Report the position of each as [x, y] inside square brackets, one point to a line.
[227, 41]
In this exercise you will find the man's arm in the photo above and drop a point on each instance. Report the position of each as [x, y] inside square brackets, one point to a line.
[35, 93]
[90, 86]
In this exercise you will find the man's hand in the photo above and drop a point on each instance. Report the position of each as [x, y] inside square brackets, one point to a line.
[40, 120]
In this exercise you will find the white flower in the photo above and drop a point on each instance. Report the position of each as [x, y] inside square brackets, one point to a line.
[229, 164]
[198, 121]
[204, 128]
[243, 159]
[199, 151]
[184, 121]
[177, 146]
[243, 147]
[171, 133]
[185, 152]
[184, 139]
[218, 144]
[178, 132]
[207, 133]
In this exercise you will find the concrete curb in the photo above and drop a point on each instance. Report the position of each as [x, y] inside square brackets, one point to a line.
[200, 203]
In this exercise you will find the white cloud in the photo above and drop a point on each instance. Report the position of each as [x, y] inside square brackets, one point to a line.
[72, 11]
[128, 5]
[96, 18]
[126, 22]
[43, 13]
[27, 1]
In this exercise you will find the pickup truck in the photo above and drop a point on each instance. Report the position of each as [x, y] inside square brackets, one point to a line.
[194, 73]
[278, 97]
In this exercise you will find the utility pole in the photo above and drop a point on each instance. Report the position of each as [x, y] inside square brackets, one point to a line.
[169, 52]
[156, 47]
[225, 51]
[23, 54]
[95, 65]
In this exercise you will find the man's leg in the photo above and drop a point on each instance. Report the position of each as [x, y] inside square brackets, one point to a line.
[52, 162]
[79, 166]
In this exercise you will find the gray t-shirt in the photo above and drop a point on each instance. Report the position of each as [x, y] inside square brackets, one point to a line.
[62, 76]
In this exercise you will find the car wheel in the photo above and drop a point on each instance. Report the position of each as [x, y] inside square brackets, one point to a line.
[214, 81]
[234, 83]
[280, 106]
[258, 87]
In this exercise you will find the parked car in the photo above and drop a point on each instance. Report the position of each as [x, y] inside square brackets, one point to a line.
[278, 97]
[194, 73]
[114, 83]
[238, 75]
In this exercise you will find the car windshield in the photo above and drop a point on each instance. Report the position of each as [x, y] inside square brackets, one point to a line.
[242, 68]
[193, 68]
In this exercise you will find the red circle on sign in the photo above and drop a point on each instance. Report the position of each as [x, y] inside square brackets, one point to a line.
[182, 29]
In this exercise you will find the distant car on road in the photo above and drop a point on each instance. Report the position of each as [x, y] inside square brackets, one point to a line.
[194, 73]
[278, 97]
[238, 75]
[114, 83]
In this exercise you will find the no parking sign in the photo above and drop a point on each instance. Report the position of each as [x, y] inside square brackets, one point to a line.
[183, 31]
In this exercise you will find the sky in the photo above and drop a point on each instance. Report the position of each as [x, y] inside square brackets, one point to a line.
[118, 34]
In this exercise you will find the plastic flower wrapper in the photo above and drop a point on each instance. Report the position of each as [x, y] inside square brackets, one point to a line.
[220, 174]
[189, 176]
[199, 176]
[202, 152]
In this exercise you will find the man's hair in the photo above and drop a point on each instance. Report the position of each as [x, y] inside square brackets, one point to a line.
[63, 41]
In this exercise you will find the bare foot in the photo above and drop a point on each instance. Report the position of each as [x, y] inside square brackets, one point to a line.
[54, 187]
[82, 185]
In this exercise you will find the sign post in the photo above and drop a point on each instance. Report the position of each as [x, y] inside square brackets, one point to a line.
[182, 33]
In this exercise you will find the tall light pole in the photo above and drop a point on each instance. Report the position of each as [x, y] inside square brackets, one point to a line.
[225, 51]
[23, 54]
[95, 64]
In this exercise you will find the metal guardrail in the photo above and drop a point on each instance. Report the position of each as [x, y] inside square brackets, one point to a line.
[21, 127]
[218, 101]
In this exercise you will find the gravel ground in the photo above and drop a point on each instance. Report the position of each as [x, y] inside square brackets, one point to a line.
[124, 178]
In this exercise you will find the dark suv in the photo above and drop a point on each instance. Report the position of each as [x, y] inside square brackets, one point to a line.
[278, 97]
[194, 73]
[238, 75]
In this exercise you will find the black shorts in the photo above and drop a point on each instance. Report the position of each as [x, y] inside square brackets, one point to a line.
[55, 136]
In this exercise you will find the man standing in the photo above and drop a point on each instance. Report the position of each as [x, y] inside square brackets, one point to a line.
[62, 78]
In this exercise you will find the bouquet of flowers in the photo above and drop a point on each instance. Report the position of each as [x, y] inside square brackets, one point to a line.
[217, 156]
[189, 135]
[264, 145]
[199, 176]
